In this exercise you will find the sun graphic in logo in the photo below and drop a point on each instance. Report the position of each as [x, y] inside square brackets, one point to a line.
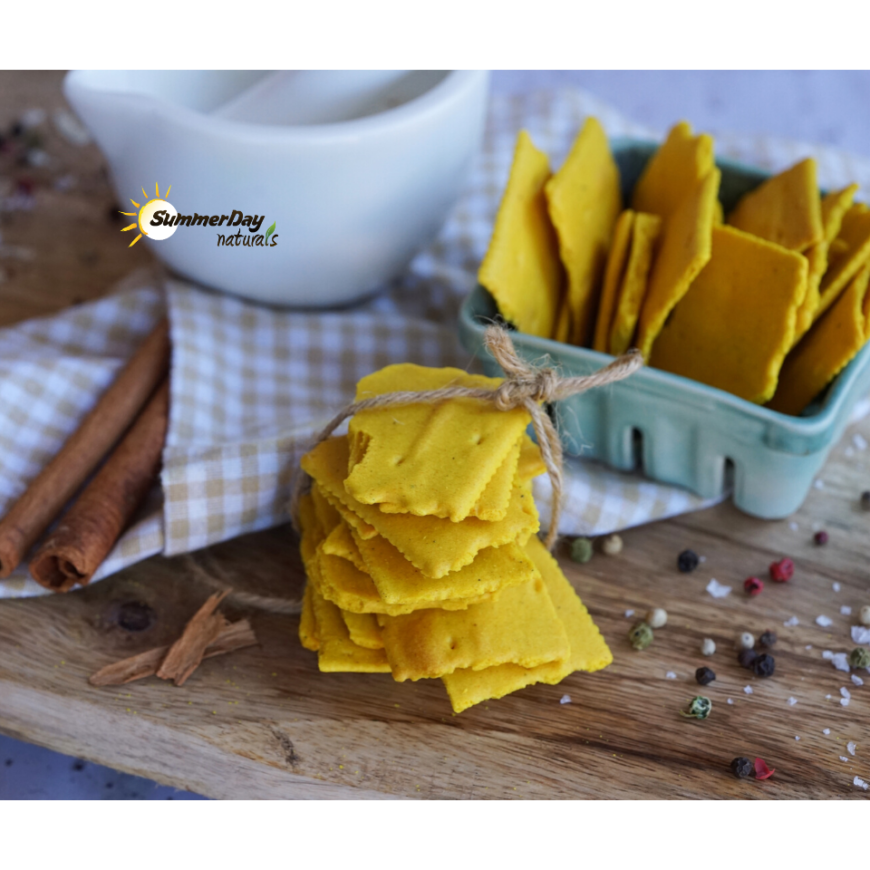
[146, 212]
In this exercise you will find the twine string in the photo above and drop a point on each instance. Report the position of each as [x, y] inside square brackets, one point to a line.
[524, 386]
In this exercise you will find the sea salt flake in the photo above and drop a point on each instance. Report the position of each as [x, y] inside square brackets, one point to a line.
[670, 675]
[791, 622]
[747, 689]
[844, 702]
[859, 441]
[843, 758]
[792, 702]
[857, 680]
[827, 654]
[848, 453]
[836, 586]
[793, 526]
[860, 783]
[796, 737]
[845, 610]
[826, 731]
[819, 483]
[828, 697]
[851, 747]
[860, 634]
[824, 621]
[702, 559]
[808, 646]
[728, 701]
[841, 662]
[565, 699]
[717, 589]
[629, 614]
[845, 692]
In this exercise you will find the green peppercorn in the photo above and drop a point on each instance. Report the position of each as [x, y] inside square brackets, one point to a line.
[581, 550]
[859, 657]
[641, 636]
[699, 708]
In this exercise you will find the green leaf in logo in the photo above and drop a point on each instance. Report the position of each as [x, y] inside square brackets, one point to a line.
[270, 231]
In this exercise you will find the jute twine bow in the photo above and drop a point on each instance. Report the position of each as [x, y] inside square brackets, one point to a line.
[524, 386]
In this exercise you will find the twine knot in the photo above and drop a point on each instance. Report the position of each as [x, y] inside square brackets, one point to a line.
[524, 386]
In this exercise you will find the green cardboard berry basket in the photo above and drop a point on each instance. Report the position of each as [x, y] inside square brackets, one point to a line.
[676, 430]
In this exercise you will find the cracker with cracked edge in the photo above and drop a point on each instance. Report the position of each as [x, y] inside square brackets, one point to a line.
[338, 653]
[589, 651]
[521, 268]
[632, 291]
[734, 327]
[519, 625]
[399, 582]
[673, 172]
[342, 583]
[784, 209]
[584, 201]
[431, 459]
[435, 546]
[363, 629]
[827, 348]
[684, 250]
[308, 636]
[834, 206]
[617, 258]
[846, 258]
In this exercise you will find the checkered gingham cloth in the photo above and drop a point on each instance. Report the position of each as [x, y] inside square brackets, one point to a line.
[250, 385]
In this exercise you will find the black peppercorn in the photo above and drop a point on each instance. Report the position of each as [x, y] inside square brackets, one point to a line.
[865, 500]
[768, 639]
[763, 665]
[687, 561]
[746, 657]
[704, 676]
[741, 767]
[820, 538]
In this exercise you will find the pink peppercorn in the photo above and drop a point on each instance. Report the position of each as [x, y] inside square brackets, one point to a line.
[782, 570]
[820, 538]
[753, 585]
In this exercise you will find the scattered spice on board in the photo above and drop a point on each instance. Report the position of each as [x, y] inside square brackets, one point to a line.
[699, 708]
[781, 571]
[762, 771]
[753, 585]
[741, 767]
[687, 561]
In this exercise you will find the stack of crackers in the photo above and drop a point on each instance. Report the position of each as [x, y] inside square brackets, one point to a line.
[769, 304]
[419, 543]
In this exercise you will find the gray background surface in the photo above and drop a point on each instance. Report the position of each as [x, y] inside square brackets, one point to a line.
[832, 108]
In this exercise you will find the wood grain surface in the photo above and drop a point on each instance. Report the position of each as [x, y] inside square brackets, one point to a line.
[263, 722]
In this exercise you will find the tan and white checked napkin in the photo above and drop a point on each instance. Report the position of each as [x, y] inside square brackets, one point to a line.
[250, 385]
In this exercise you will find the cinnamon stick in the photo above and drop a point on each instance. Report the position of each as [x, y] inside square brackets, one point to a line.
[187, 652]
[236, 635]
[89, 530]
[118, 407]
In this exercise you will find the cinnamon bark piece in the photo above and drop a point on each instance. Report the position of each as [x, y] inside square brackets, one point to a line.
[236, 635]
[90, 528]
[56, 484]
[187, 652]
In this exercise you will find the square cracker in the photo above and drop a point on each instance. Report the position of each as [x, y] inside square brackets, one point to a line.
[784, 209]
[633, 286]
[519, 625]
[853, 253]
[617, 258]
[338, 653]
[589, 652]
[521, 268]
[673, 172]
[826, 349]
[435, 546]
[734, 327]
[363, 629]
[685, 247]
[436, 459]
[342, 583]
[834, 206]
[399, 582]
[584, 201]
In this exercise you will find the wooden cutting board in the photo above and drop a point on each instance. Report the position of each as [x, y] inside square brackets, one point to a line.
[264, 722]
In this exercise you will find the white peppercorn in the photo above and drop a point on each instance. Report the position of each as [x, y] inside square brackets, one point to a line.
[745, 640]
[708, 646]
[865, 614]
[612, 545]
[657, 618]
